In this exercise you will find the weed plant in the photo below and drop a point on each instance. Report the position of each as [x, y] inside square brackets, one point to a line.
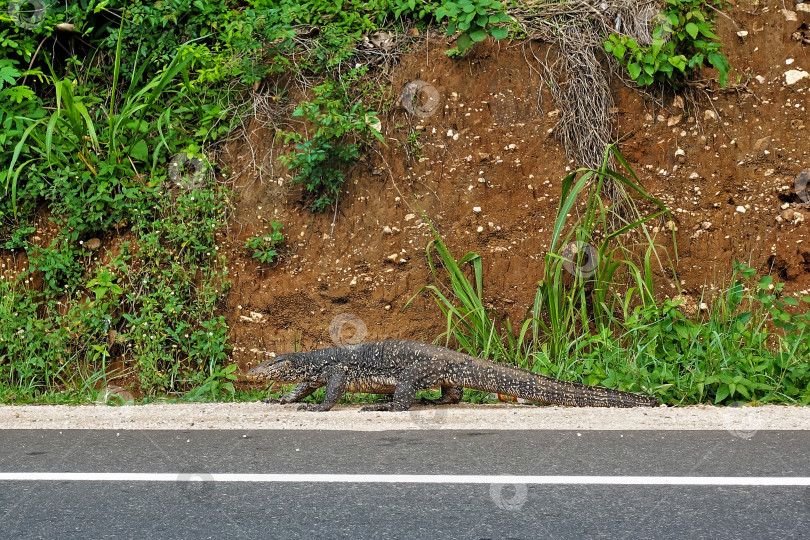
[265, 247]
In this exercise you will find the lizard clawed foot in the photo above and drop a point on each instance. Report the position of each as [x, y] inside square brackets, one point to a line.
[311, 408]
[382, 407]
[274, 400]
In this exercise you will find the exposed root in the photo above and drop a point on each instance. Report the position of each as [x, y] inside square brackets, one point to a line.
[578, 80]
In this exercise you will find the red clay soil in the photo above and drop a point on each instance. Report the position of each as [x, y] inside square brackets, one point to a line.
[489, 179]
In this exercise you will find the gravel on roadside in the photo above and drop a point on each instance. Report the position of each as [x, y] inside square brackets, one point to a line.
[256, 415]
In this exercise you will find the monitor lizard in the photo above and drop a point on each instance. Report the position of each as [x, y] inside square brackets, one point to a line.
[402, 367]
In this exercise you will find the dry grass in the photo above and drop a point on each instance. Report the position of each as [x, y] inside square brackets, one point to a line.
[577, 78]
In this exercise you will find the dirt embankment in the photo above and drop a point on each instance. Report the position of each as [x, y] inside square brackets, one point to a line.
[487, 173]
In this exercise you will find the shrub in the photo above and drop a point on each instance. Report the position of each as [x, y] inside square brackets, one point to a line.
[682, 41]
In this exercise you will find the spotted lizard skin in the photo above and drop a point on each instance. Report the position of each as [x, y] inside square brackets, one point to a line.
[402, 368]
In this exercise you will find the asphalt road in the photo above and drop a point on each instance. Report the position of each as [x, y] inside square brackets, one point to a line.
[191, 504]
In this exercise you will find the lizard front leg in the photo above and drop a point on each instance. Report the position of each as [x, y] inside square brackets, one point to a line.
[420, 375]
[335, 388]
[298, 393]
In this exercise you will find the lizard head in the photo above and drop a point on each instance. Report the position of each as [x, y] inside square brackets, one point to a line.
[281, 369]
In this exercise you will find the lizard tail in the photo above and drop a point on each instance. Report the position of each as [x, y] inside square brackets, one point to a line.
[521, 383]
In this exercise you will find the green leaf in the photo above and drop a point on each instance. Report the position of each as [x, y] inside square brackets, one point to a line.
[19, 93]
[677, 61]
[464, 42]
[634, 69]
[719, 62]
[499, 32]
[706, 31]
[139, 151]
[692, 29]
[7, 73]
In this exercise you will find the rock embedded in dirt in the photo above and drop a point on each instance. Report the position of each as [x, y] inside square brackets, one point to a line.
[793, 76]
[762, 143]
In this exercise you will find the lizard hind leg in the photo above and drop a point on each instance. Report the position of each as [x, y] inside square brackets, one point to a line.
[450, 396]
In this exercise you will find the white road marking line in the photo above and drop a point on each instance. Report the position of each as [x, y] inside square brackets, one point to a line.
[412, 479]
